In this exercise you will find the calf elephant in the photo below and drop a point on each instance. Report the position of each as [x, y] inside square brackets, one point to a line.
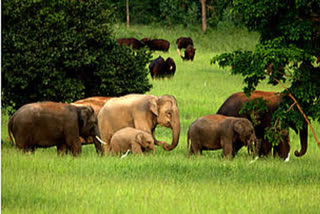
[142, 112]
[213, 132]
[47, 124]
[135, 140]
[233, 105]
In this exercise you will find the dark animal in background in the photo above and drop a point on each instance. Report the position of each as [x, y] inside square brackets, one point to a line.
[48, 124]
[156, 44]
[189, 53]
[160, 68]
[236, 101]
[187, 44]
[132, 42]
[183, 42]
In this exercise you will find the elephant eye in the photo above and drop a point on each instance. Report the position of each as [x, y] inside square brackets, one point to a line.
[169, 114]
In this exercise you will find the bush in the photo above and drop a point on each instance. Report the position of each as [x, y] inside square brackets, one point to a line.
[64, 50]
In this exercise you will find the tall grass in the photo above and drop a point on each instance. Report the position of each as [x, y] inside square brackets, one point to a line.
[167, 182]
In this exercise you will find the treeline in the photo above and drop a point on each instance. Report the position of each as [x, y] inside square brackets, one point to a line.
[172, 12]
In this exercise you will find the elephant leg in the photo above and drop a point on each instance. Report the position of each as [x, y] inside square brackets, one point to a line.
[62, 149]
[236, 147]
[75, 144]
[265, 149]
[136, 148]
[227, 150]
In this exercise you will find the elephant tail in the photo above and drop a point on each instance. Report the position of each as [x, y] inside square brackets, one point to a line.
[188, 138]
[10, 128]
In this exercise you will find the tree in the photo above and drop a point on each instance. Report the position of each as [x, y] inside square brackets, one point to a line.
[286, 54]
[203, 12]
[64, 50]
[127, 13]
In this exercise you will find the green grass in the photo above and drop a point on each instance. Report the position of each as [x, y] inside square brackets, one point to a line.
[167, 182]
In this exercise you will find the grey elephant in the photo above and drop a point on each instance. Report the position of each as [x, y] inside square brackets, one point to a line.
[135, 140]
[47, 124]
[142, 112]
[214, 132]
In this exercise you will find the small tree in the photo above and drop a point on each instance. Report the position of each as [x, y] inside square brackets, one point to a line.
[287, 53]
[64, 50]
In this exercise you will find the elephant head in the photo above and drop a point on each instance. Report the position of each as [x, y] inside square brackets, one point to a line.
[167, 114]
[245, 131]
[88, 123]
[145, 140]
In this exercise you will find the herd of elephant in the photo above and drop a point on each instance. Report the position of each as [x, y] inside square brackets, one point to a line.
[116, 125]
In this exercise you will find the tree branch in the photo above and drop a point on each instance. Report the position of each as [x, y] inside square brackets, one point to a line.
[299, 108]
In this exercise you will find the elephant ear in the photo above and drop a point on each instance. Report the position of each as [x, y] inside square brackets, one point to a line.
[85, 113]
[153, 106]
[238, 127]
[140, 138]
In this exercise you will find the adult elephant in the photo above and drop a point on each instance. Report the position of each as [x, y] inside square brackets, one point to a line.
[95, 102]
[47, 124]
[142, 112]
[233, 105]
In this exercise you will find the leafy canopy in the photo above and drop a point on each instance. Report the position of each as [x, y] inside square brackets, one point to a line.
[64, 50]
[287, 53]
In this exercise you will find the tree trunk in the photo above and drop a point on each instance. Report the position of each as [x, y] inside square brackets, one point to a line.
[127, 12]
[204, 20]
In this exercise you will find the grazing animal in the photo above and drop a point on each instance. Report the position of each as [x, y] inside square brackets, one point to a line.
[189, 53]
[132, 139]
[48, 124]
[213, 132]
[157, 44]
[160, 68]
[132, 42]
[183, 42]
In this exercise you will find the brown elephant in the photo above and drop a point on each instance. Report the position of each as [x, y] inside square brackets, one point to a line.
[47, 124]
[233, 105]
[214, 132]
[95, 102]
[142, 112]
[132, 139]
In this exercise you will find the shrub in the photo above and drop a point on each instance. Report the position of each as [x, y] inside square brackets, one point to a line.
[64, 50]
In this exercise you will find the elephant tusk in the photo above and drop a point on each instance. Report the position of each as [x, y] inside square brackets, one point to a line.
[287, 159]
[125, 155]
[101, 141]
[254, 160]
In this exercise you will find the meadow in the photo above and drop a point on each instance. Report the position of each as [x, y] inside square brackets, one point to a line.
[167, 182]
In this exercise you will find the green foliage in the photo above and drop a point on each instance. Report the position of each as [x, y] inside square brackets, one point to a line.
[64, 50]
[287, 52]
[254, 108]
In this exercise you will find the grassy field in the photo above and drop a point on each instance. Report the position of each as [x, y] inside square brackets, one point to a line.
[167, 182]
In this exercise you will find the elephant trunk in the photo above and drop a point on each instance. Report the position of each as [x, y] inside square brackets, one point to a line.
[175, 135]
[303, 141]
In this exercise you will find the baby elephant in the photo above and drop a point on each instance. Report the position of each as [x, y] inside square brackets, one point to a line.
[131, 139]
[213, 132]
